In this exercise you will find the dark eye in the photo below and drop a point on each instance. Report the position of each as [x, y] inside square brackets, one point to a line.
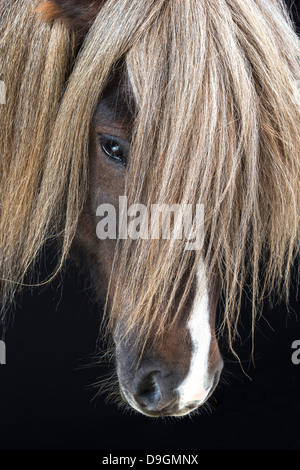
[114, 147]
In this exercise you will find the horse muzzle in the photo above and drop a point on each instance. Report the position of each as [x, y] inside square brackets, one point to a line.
[156, 390]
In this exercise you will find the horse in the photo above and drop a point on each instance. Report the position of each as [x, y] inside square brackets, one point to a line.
[162, 102]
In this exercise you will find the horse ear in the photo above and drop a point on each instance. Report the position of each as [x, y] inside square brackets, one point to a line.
[76, 14]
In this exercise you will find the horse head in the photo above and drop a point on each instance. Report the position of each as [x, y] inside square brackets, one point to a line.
[182, 103]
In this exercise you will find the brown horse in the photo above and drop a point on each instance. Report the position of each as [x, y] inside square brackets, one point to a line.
[164, 102]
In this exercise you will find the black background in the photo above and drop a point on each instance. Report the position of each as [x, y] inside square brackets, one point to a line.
[46, 398]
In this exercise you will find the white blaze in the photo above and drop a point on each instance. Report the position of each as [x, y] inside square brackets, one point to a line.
[193, 388]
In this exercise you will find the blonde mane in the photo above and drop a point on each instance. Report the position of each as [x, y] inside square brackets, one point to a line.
[215, 84]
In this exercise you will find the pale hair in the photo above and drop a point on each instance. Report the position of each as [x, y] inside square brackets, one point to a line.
[217, 122]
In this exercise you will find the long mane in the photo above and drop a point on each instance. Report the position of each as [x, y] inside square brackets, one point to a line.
[215, 85]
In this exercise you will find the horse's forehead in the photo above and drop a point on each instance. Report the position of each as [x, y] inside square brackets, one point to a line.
[116, 103]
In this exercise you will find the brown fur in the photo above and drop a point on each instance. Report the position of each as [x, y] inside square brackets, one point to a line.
[76, 14]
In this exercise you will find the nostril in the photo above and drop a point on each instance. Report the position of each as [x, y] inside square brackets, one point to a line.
[148, 393]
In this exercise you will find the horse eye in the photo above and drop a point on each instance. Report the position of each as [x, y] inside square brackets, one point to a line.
[114, 147]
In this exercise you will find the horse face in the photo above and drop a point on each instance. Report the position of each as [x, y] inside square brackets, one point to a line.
[179, 374]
